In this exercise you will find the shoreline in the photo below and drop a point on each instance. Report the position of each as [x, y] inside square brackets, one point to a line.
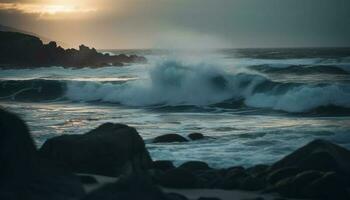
[67, 165]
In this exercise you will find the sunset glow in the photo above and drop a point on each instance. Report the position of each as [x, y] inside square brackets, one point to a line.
[45, 9]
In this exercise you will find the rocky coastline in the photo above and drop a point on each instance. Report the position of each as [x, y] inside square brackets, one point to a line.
[18, 50]
[66, 164]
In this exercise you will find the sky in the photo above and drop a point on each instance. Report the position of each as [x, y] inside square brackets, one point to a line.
[125, 24]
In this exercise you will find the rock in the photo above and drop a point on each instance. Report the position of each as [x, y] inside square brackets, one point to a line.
[195, 166]
[257, 170]
[281, 174]
[86, 179]
[210, 178]
[163, 165]
[18, 50]
[133, 187]
[110, 150]
[169, 138]
[294, 186]
[330, 186]
[23, 174]
[196, 136]
[234, 178]
[178, 178]
[319, 155]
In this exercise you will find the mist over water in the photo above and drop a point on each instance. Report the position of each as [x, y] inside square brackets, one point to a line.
[257, 105]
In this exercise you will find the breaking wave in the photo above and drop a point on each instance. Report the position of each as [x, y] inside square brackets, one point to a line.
[173, 83]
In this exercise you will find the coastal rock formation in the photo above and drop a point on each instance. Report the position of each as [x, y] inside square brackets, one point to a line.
[169, 138]
[110, 149]
[318, 170]
[18, 50]
[317, 155]
[23, 174]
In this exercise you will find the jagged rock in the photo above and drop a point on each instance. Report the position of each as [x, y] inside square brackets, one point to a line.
[110, 150]
[169, 138]
[18, 50]
[23, 174]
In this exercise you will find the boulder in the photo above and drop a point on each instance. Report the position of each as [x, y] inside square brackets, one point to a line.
[196, 136]
[110, 150]
[163, 165]
[23, 174]
[178, 178]
[195, 166]
[234, 178]
[169, 138]
[320, 155]
[282, 173]
[330, 186]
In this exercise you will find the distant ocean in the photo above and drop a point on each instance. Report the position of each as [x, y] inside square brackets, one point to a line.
[256, 104]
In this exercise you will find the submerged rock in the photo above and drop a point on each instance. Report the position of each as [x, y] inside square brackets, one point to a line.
[196, 136]
[23, 174]
[169, 138]
[195, 166]
[110, 150]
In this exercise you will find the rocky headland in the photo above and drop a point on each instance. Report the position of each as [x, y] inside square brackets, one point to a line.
[65, 166]
[18, 50]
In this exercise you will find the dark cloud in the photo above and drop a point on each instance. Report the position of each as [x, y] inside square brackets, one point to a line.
[236, 23]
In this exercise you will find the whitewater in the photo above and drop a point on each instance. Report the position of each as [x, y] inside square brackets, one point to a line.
[256, 105]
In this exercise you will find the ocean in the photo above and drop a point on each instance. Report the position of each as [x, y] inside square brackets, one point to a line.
[256, 105]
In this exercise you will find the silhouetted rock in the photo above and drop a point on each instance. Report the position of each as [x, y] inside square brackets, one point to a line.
[169, 138]
[196, 136]
[317, 155]
[195, 166]
[110, 149]
[282, 173]
[163, 165]
[23, 174]
[18, 50]
[178, 178]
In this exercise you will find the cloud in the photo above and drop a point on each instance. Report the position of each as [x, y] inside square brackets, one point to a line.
[184, 23]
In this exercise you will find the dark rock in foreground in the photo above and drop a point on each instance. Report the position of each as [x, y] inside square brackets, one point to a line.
[318, 170]
[169, 138]
[23, 174]
[317, 155]
[18, 50]
[178, 178]
[110, 150]
[163, 165]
